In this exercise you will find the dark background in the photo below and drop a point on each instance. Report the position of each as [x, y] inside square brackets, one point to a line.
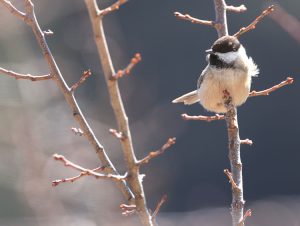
[35, 119]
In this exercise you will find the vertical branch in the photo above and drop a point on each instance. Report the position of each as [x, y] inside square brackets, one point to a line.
[237, 205]
[221, 17]
[134, 177]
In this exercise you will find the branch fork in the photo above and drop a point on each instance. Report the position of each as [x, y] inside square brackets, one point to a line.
[218, 26]
[84, 172]
[215, 24]
[73, 179]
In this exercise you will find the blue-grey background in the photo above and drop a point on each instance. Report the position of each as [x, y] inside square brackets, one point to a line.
[35, 120]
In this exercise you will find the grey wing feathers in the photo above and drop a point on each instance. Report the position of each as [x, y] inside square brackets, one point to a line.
[200, 79]
[188, 99]
[191, 97]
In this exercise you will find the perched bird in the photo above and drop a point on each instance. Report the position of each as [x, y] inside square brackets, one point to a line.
[229, 70]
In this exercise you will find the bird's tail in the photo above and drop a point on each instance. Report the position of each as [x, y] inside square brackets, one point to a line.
[188, 99]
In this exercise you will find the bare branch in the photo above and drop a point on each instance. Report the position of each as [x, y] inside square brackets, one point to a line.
[246, 141]
[202, 117]
[194, 20]
[231, 180]
[84, 76]
[219, 24]
[133, 62]
[236, 177]
[246, 215]
[236, 9]
[13, 10]
[153, 154]
[266, 92]
[112, 8]
[72, 179]
[221, 18]
[159, 204]
[31, 20]
[25, 76]
[253, 24]
[134, 180]
[84, 171]
[77, 131]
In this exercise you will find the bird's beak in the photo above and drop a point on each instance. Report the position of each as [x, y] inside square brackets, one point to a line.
[209, 51]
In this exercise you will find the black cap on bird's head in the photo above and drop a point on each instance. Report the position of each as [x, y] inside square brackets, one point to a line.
[225, 44]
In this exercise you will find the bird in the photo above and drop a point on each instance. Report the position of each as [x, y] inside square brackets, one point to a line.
[229, 70]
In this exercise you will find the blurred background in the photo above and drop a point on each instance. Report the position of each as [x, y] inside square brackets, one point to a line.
[35, 120]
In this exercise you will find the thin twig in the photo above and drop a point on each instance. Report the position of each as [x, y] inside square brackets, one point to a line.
[133, 62]
[25, 76]
[266, 92]
[194, 20]
[82, 79]
[246, 215]
[85, 171]
[153, 154]
[236, 9]
[202, 117]
[246, 141]
[112, 8]
[159, 204]
[253, 24]
[75, 178]
[231, 180]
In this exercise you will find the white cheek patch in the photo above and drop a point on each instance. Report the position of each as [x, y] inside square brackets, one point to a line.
[228, 57]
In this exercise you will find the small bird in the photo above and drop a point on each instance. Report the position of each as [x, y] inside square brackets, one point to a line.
[229, 70]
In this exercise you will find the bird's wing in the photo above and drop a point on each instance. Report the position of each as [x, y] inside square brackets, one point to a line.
[200, 79]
